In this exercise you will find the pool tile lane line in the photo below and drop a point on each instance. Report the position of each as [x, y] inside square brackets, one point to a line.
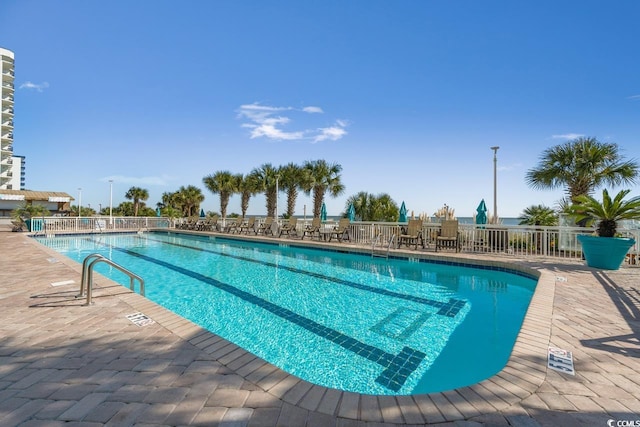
[606, 386]
[397, 368]
[449, 309]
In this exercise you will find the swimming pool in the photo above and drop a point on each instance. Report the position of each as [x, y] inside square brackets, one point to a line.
[340, 320]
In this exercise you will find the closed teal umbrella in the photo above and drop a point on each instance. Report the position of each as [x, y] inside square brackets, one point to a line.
[403, 213]
[202, 215]
[481, 213]
[351, 213]
[323, 212]
[158, 212]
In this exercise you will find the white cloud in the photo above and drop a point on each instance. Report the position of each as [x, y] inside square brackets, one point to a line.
[271, 122]
[567, 136]
[634, 97]
[312, 110]
[34, 86]
[332, 133]
[137, 181]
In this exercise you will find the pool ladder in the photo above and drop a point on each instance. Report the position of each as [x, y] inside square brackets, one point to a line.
[86, 284]
[377, 241]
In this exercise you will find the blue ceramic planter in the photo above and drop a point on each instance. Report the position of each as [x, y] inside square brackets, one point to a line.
[606, 253]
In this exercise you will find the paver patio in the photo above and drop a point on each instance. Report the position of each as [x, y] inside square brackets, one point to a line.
[62, 363]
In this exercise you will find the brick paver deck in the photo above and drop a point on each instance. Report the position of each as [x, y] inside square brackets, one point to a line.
[62, 363]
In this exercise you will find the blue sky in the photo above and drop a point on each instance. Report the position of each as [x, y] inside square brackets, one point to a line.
[408, 96]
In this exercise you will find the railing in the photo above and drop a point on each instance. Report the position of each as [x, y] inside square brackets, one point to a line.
[510, 240]
[86, 282]
[93, 224]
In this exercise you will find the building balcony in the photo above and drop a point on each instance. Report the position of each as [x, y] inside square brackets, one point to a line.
[8, 124]
[8, 135]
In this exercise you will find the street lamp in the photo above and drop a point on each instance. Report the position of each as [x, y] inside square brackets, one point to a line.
[495, 183]
[110, 202]
[79, 201]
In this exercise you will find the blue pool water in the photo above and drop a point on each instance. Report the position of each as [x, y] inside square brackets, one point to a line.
[346, 321]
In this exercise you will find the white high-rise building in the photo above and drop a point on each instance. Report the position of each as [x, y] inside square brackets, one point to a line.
[6, 119]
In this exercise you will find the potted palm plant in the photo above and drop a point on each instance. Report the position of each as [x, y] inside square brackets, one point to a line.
[605, 250]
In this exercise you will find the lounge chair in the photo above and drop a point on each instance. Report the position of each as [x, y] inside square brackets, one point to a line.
[414, 234]
[234, 226]
[341, 231]
[449, 236]
[191, 223]
[313, 229]
[289, 228]
[265, 227]
[250, 225]
[210, 224]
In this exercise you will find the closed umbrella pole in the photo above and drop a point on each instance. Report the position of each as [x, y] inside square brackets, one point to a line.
[351, 213]
[403, 213]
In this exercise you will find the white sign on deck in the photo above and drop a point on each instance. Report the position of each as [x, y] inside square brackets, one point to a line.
[560, 360]
[140, 319]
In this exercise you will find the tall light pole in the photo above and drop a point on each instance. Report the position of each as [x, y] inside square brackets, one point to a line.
[79, 201]
[110, 202]
[495, 183]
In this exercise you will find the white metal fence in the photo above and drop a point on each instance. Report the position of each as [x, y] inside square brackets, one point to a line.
[516, 240]
[99, 224]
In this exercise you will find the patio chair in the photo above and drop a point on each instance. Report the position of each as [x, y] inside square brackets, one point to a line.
[250, 225]
[234, 226]
[289, 228]
[265, 227]
[449, 236]
[413, 235]
[191, 223]
[210, 224]
[341, 231]
[313, 229]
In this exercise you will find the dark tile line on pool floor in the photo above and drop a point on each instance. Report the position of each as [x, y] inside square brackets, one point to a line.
[448, 309]
[397, 368]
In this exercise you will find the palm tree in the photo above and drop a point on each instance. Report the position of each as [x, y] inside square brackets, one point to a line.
[28, 210]
[248, 186]
[291, 177]
[137, 194]
[581, 166]
[369, 207]
[322, 178]
[538, 215]
[384, 208]
[608, 212]
[267, 176]
[223, 183]
[361, 205]
[190, 197]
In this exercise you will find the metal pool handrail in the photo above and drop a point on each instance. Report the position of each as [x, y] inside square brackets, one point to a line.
[86, 282]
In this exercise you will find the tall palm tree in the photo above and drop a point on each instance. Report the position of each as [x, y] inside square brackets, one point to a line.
[322, 178]
[137, 194]
[291, 177]
[267, 176]
[248, 186]
[538, 215]
[190, 197]
[223, 183]
[581, 166]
